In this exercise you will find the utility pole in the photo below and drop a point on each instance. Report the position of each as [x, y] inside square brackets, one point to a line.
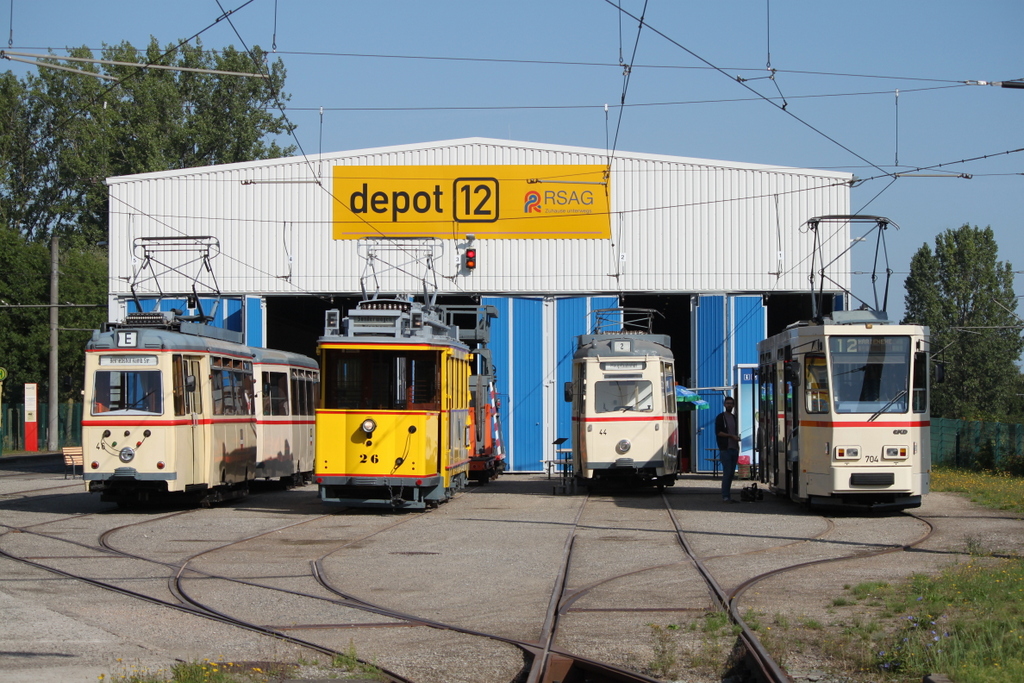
[53, 408]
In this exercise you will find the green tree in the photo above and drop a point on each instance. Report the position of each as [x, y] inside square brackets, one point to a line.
[964, 294]
[25, 325]
[64, 133]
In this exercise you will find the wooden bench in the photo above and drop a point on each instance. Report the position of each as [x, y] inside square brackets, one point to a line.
[73, 458]
[716, 462]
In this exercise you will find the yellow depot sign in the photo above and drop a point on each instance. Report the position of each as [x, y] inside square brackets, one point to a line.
[448, 202]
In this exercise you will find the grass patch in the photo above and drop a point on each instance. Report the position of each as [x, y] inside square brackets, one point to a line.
[204, 671]
[997, 490]
[966, 621]
[344, 665]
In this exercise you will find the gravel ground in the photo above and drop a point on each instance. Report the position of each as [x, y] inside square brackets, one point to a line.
[487, 561]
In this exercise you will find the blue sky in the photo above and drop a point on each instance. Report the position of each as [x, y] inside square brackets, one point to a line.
[391, 72]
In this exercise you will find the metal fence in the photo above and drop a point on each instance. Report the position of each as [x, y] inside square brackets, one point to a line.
[955, 443]
[977, 445]
[69, 425]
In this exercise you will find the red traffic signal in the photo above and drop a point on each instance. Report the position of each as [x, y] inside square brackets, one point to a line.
[469, 260]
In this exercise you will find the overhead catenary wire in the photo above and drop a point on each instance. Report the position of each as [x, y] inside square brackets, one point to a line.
[626, 73]
[55, 128]
[4, 53]
[291, 130]
[766, 99]
[671, 103]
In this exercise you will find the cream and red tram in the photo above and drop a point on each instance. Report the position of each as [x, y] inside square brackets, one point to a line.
[178, 407]
[624, 420]
[843, 412]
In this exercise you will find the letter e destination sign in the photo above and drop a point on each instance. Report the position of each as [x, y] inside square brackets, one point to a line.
[492, 202]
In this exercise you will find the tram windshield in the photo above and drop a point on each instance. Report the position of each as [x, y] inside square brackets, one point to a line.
[621, 395]
[375, 379]
[870, 374]
[137, 391]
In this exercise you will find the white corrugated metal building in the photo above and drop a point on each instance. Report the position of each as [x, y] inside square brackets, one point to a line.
[706, 242]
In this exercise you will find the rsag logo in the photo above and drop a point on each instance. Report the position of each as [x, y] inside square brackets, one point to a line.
[558, 201]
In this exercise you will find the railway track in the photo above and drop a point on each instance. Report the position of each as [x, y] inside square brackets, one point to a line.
[314, 596]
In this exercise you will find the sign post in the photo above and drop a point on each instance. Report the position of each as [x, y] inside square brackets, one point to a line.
[746, 409]
[3, 376]
[31, 424]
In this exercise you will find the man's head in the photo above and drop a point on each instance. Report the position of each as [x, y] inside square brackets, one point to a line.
[730, 404]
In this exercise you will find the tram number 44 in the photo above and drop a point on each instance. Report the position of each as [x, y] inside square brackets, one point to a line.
[363, 457]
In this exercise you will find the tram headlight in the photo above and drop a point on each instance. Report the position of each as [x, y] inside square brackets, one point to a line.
[369, 425]
[126, 454]
[847, 453]
[623, 446]
[894, 452]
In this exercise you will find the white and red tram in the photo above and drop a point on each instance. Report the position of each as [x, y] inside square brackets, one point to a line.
[623, 394]
[177, 407]
[843, 412]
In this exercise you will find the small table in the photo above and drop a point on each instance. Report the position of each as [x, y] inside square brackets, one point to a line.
[565, 472]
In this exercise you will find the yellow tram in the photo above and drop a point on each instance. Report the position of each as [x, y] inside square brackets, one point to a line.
[395, 423]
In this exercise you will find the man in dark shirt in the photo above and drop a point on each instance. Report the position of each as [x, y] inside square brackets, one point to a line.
[728, 445]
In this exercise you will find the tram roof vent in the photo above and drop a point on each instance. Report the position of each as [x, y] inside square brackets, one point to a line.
[858, 317]
[149, 319]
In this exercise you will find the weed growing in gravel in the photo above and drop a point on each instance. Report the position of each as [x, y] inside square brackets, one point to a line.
[974, 547]
[349, 661]
[665, 648]
[188, 672]
[206, 671]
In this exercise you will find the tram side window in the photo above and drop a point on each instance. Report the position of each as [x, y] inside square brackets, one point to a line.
[669, 378]
[135, 390]
[246, 394]
[275, 393]
[179, 385]
[303, 400]
[232, 388]
[920, 381]
[423, 371]
[299, 404]
[623, 395]
[313, 392]
[816, 393]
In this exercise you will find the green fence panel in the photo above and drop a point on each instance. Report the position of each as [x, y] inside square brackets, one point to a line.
[69, 425]
[973, 444]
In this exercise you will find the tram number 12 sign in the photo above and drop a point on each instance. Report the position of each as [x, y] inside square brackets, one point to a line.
[497, 202]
